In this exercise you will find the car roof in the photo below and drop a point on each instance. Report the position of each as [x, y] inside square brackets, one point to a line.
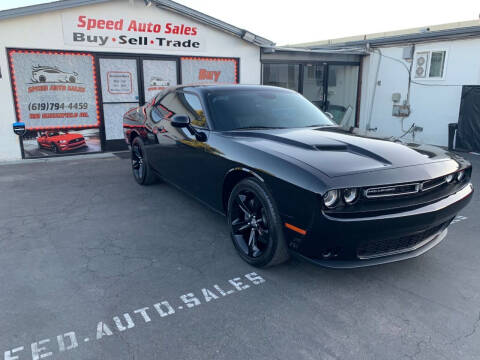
[203, 88]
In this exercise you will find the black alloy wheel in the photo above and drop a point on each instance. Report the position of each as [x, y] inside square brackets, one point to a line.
[138, 165]
[142, 172]
[54, 148]
[255, 225]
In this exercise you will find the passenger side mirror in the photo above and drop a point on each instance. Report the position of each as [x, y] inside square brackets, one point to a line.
[329, 115]
[180, 121]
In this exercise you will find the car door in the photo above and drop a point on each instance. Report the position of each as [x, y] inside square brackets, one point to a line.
[178, 156]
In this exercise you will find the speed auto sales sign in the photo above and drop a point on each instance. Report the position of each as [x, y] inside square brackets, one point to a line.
[54, 90]
[114, 32]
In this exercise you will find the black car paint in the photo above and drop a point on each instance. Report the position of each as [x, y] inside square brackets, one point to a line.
[298, 166]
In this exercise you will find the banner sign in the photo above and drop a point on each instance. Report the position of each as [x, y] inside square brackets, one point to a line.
[131, 33]
[54, 90]
[209, 70]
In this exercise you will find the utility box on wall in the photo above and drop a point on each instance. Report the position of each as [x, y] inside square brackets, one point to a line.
[401, 110]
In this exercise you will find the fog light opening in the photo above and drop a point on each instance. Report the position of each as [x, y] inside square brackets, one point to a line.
[329, 254]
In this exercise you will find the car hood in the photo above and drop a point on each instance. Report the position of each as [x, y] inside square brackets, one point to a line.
[335, 153]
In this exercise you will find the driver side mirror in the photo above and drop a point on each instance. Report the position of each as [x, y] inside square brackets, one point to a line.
[180, 121]
[183, 121]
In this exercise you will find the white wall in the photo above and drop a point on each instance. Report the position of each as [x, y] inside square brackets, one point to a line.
[433, 106]
[44, 31]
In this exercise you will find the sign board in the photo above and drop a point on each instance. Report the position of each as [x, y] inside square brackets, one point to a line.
[119, 80]
[209, 70]
[131, 33]
[54, 90]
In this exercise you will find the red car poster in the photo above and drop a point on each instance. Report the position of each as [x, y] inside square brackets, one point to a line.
[56, 98]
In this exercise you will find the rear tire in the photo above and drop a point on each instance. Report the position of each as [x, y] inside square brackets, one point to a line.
[255, 225]
[142, 172]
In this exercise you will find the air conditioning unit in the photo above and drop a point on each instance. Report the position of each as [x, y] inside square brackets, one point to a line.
[420, 65]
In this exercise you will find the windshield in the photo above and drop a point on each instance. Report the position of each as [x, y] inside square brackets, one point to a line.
[249, 109]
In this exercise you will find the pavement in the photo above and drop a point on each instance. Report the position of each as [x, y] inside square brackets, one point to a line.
[94, 266]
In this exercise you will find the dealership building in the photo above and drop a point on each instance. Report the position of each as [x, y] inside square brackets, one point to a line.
[418, 83]
[70, 69]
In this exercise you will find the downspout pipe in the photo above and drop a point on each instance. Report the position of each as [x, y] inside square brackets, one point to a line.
[375, 84]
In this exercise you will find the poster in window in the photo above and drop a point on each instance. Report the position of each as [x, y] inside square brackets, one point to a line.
[119, 80]
[56, 97]
[157, 75]
[197, 70]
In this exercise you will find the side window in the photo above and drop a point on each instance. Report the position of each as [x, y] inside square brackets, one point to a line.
[165, 106]
[194, 109]
[183, 104]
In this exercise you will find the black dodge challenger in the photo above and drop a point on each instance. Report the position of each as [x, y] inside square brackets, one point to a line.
[290, 181]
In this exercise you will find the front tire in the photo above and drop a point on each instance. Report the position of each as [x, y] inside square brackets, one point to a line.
[255, 225]
[142, 172]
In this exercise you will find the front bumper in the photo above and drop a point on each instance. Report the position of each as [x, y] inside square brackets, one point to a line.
[68, 147]
[356, 242]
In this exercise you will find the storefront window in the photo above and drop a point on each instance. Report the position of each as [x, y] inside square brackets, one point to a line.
[313, 84]
[342, 93]
[199, 70]
[282, 75]
[55, 96]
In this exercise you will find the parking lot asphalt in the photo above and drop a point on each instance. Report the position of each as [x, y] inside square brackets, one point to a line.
[94, 266]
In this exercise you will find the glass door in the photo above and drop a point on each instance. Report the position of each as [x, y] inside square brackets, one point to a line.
[119, 93]
[314, 84]
[342, 93]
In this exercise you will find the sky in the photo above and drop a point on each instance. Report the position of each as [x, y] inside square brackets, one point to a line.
[290, 22]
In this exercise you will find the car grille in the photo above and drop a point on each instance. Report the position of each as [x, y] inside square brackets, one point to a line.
[75, 141]
[381, 247]
[403, 189]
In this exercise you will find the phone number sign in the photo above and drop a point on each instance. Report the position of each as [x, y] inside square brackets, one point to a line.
[54, 90]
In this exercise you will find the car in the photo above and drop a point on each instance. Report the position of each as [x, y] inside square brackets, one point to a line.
[53, 75]
[59, 142]
[158, 81]
[290, 181]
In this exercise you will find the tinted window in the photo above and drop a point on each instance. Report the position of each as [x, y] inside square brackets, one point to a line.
[182, 104]
[194, 107]
[165, 105]
[237, 109]
[282, 75]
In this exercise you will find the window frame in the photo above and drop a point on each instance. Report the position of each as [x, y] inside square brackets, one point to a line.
[429, 63]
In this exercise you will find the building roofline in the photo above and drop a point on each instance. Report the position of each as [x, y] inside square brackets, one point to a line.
[325, 50]
[209, 20]
[429, 33]
[46, 7]
[164, 4]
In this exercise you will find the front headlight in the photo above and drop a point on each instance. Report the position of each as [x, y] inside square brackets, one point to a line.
[449, 178]
[350, 195]
[330, 198]
[461, 175]
[62, 141]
